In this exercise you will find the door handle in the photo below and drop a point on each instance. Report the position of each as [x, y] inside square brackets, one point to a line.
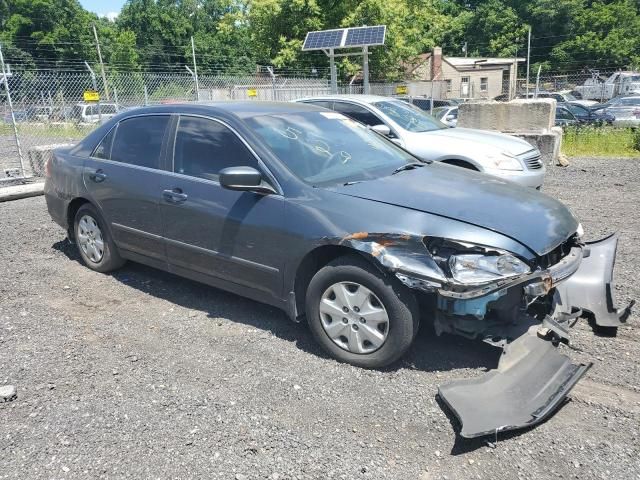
[175, 195]
[98, 176]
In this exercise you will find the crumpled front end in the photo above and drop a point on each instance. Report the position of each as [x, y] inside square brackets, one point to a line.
[528, 311]
[533, 377]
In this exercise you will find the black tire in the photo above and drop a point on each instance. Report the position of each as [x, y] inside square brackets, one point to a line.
[110, 259]
[398, 301]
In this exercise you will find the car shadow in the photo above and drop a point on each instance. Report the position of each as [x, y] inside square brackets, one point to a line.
[429, 353]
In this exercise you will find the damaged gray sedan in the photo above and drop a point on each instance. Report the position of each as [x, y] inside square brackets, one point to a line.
[307, 210]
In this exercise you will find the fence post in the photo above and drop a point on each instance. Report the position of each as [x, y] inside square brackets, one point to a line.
[95, 87]
[195, 69]
[13, 117]
[146, 95]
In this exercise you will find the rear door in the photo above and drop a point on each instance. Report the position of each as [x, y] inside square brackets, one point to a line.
[227, 235]
[124, 177]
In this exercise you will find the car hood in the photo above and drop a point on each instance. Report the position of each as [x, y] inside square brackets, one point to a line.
[500, 141]
[529, 217]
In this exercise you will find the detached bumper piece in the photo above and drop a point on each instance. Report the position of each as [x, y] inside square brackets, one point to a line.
[590, 288]
[531, 381]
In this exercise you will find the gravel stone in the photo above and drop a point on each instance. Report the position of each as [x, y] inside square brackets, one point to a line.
[229, 370]
[8, 393]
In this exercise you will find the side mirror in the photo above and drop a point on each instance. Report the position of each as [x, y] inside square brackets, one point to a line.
[244, 179]
[382, 130]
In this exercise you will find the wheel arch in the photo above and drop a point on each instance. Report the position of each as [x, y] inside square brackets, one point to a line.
[72, 209]
[463, 163]
[311, 263]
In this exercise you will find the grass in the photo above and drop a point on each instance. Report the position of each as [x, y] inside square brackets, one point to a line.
[62, 131]
[601, 142]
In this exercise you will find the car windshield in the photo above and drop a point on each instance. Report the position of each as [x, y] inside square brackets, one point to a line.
[327, 148]
[409, 118]
[569, 97]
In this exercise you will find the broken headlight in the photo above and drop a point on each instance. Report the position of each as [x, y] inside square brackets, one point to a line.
[477, 268]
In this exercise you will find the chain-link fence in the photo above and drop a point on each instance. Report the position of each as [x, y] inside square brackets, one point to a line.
[48, 109]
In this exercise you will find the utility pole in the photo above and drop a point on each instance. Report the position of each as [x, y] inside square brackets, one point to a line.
[365, 70]
[528, 59]
[465, 49]
[195, 69]
[104, 77]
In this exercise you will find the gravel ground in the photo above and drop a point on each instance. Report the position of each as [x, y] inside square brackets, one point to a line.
[142, 374]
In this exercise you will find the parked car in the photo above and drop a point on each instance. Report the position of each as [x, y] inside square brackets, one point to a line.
[489, 152]
[447, 115]
[425, 103]
[587, 116]
[564, 117]
[626, 110]
[564, 96]
[30, 114]
[307, 210]
[88, 112]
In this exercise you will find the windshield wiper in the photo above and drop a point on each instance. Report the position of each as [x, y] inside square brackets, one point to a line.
[352, 182]
[408, 166]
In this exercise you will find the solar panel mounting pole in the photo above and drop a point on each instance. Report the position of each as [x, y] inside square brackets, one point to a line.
[365, 69]
[334, 74]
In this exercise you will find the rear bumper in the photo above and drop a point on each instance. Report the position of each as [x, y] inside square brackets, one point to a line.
[56, 205]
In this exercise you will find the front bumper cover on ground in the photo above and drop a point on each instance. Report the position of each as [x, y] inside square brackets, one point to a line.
[532, 377]
[530, 382]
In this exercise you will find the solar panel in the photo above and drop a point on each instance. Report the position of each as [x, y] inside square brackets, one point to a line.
[363, 36]
[345, 38]
[323, 39]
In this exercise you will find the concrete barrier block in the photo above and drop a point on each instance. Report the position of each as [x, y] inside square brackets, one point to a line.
[39, 155]
[548, 143]
[519, 115]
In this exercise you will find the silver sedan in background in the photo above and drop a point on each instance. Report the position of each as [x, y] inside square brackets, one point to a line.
[427, 138]
[447, 115]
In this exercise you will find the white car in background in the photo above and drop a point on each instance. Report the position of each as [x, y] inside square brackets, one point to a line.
[447, 115]
[88, 112]
[427, 138]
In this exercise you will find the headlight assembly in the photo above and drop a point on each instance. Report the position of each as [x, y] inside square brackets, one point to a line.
[476, 268]
[504, 161]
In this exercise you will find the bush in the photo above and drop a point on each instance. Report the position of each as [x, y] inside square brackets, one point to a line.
[635, 143]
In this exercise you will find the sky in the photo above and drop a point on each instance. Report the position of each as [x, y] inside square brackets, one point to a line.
[105, 8]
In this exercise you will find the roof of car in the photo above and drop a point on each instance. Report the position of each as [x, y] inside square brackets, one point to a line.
[239, 108]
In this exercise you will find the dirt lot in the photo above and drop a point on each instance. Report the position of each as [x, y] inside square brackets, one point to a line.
[145, 375]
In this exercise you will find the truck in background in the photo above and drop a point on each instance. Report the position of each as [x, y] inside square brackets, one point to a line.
[619, 83]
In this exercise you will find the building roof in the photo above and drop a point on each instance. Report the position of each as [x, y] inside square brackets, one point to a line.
[473, 61]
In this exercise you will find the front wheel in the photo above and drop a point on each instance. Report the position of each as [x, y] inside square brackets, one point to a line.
[360, 316]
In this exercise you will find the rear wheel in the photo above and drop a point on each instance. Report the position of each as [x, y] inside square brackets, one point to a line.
[360, 316]
[96, 247]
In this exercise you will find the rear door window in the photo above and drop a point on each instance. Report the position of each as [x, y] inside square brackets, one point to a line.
[138, 140]
[204, 147]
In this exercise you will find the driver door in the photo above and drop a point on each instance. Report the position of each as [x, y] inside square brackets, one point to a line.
[225, 235]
